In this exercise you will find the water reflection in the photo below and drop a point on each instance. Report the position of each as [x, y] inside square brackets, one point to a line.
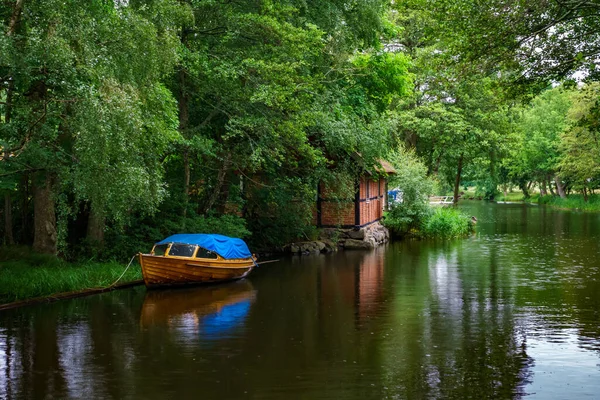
[511, 312]
[199, 313]
[452, 334]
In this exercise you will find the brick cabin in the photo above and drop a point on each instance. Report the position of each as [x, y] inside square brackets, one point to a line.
[365, 209]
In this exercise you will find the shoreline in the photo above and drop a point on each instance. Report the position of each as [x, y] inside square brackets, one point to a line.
[67, 295]
[573, 202]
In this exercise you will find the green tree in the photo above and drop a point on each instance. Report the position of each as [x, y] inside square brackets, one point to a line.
[81, 80]
[539, 126]
[579, 143]
[543, 40]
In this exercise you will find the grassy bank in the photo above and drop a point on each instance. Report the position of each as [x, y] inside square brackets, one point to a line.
[511, 196]
[572, 202]
[446, 223]
[24, 275]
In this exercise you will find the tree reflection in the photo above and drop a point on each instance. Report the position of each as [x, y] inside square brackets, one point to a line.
[455, 335]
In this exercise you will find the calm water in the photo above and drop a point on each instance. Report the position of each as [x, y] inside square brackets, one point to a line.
[512, 312]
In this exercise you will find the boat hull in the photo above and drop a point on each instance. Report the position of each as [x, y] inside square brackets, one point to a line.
[170, 271]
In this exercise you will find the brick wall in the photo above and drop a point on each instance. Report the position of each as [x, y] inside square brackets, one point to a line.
[334, 213]
[337, 213]
[371, 204]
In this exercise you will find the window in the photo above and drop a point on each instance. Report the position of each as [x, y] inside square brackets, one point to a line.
[160, 249]
[203, 253]
[182, 250]
[368, 184]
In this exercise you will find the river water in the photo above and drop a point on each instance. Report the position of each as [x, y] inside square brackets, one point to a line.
[512, 312]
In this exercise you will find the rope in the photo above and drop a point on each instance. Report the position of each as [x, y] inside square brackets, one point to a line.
[128, 265]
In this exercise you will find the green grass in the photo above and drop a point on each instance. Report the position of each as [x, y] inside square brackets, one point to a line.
[573, 202]
[446, 223]
[511, 196]
[25, 275]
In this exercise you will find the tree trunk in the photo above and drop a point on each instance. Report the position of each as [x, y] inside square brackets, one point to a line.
[560, 188]
[186, 182]
[8, 226]
[44, 224]
[529, 185]
[15, 17]
[220, 181]
[95, 229]
[458, 174]
[543, 190]
[12, 27]
[183, 125]
[585, 194]
[549, 184]
[437, 166]
[223, 196]
[411, 140]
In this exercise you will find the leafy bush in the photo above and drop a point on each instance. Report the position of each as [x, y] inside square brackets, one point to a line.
[487, 189]
[411, 178]
[403, 219]
[445, 223]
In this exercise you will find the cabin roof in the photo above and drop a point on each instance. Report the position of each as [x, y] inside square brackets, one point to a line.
[387, 167]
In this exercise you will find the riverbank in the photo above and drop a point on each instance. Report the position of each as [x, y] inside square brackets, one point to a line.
[26, 275]
[572, 202]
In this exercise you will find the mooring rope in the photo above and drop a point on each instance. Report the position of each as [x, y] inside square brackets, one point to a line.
[128, 265]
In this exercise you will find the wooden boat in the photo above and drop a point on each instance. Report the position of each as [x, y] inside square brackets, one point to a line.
[196, 258]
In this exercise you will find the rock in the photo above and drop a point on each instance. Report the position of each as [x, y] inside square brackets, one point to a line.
[321, 246]
[294, 248]
[379, 236]
[330, 246]
[308, 247]
[328, 233]
[352, 244]
[357, 235]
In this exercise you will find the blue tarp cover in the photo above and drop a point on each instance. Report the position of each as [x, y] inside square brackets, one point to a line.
[224, 246]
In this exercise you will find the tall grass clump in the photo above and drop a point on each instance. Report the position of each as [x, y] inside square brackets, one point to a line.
[573, 202]
[446, 223]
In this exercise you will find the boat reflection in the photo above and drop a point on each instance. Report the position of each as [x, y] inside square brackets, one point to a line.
[208, 313]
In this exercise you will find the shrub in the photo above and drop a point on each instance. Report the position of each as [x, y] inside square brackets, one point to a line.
[411, 178]
[445, 223]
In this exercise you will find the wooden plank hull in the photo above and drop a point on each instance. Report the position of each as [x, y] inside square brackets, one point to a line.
[169, 271]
